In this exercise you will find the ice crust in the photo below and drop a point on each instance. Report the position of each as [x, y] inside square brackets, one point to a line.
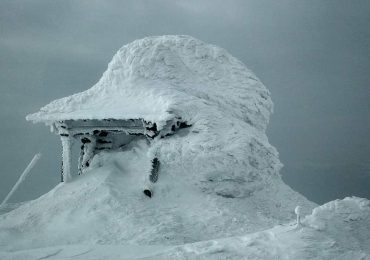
[157, 78]
[218, 178]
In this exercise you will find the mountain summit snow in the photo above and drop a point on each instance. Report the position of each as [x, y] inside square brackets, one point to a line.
[217, 178]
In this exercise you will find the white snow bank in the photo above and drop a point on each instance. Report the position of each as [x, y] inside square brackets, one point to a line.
[338, 212]
[280, 242]
[107, 206]
[347, 220]
[346, 236]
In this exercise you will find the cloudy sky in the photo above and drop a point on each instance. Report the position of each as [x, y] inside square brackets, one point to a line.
[313, 55]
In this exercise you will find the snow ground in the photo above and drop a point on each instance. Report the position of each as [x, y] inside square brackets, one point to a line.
[91, 219]
[107, 206]
[330, 232]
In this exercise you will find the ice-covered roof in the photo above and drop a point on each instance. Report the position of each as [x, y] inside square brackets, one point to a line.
[158, 78]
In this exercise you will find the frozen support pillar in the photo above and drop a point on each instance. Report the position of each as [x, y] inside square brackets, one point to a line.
[66, 156]
[87, 152]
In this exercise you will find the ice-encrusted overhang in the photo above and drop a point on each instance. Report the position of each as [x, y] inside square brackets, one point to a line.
[118, 109]
[89, 126]
[75, 128]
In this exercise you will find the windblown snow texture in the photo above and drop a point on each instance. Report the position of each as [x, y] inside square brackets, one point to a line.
[157, 78]
[217, 178]
[337, 230]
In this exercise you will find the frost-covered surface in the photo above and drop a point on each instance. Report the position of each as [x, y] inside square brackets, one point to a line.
[106, 205]
[156, 78]
[347, 221]
[218, 178]
[337, 230]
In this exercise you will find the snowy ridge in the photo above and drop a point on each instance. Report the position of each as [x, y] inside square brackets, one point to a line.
[337, 230]
[281, 242]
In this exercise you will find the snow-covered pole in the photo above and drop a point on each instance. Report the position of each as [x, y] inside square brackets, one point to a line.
[22, 177]
[298, 211]
[66, 156]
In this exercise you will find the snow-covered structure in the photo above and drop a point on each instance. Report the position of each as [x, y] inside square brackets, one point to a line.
[175, 101]
[112, 113]
[201, 114]
[153, 87]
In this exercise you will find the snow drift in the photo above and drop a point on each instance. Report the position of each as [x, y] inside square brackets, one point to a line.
[218, 178]
[337, 230]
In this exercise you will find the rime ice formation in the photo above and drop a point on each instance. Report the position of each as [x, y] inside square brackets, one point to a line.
[218, 178]
[157, 78]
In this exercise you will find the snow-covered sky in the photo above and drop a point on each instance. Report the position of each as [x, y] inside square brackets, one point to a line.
[313, 55]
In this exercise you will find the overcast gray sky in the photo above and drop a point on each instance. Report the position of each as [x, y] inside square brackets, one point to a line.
[313, 55]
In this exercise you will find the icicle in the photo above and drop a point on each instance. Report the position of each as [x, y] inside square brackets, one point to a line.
[153, 177]
[88, 151]
[80, 159]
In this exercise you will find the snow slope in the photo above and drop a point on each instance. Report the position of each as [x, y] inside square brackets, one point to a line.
[218, 178]
[337, 230]
[107, 206]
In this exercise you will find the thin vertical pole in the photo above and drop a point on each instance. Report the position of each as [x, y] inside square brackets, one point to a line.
[66, 156]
